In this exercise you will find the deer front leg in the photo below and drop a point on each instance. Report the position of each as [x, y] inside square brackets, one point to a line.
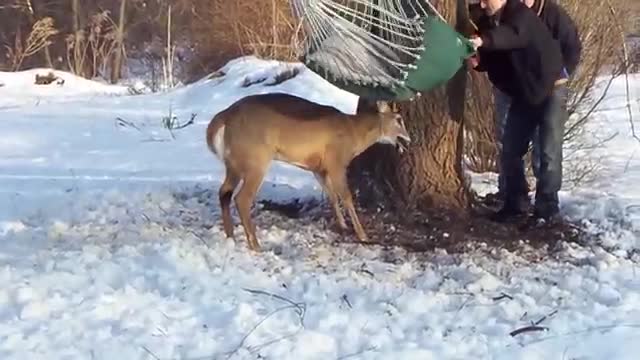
[341, 186]
[225, 193]
[325, 181]
[252, 181]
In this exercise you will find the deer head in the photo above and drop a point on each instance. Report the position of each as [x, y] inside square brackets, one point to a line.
[392, 129]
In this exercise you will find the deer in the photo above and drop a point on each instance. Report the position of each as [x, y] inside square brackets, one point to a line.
[258, 129]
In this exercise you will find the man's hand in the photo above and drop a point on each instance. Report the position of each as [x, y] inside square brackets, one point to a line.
[476, 41]
[473, 61]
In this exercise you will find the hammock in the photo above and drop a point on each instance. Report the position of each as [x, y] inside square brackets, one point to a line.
[380, 49]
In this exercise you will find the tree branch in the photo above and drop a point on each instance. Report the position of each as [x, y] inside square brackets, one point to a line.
[627, 66]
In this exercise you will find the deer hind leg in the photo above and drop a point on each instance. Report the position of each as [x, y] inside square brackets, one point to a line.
[225, 193]
[339, 182]
[327, 185]
[252, 180]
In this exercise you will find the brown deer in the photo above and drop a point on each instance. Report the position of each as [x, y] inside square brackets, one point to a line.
[257, 129]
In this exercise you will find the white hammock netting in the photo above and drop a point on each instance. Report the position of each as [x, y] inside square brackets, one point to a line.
[365, 43]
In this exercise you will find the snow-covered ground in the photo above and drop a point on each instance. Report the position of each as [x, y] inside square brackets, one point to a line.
[111, 247]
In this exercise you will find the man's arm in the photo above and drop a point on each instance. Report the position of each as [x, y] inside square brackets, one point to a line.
[566, 31]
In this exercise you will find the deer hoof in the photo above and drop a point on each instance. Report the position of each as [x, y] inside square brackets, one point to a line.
[363, 238]
[228, 232]
[254, 246]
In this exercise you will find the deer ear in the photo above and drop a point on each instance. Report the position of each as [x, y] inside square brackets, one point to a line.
[399, 120]
[383, 107]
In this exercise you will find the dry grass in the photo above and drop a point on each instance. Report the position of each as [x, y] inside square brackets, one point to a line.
[602, 43]
[89, 50]
[277, 37]
[223, 30]
[214, 31]
[38, 39]
[604, 54]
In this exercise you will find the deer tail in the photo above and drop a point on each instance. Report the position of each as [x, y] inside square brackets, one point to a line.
[215, 136]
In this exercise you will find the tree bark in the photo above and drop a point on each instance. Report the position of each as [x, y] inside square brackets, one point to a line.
[116, 70]
[430, 174]
[80, 60]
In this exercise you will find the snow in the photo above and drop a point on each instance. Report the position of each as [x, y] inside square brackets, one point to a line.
[111, 246]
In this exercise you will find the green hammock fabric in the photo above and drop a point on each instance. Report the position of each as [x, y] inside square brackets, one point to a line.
[444, 54]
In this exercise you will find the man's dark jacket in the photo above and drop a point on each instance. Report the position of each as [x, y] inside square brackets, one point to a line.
[563, 29]
[519, 53]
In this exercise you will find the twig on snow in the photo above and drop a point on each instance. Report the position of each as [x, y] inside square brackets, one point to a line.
[529, 328]
[199, 237]
[582, 332]
[346, 300]
[300, 306]
[626, 165]
[246, 336]
[165, 212]
[124, 123]
[363, 269]
[128, 124]
[535, 326]
[171, 123]
[150, 353]
[503, 296]
[300, 309]
[545, 317]
[466, 301]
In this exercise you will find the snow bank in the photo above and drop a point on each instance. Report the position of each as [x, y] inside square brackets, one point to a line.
[111, 247]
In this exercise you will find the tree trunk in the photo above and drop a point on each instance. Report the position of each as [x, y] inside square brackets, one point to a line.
[116, 70]
[430, 174]
[80, 64]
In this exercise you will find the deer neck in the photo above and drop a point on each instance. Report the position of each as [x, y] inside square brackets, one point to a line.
[368, 131]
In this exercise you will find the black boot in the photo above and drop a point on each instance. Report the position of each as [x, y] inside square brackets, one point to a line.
[546, 213]
[493, 199]
[512, 210]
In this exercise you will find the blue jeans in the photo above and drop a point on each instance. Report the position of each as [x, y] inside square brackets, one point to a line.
[523, 122]
[502, 105]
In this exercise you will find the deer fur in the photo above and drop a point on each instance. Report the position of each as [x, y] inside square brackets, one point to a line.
[258, 129]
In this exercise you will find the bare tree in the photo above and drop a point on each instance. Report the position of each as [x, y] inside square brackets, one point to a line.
[430, 175]
[116, 70]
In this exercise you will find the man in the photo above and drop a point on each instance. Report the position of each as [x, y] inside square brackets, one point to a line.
[565, 31]
[562, 28]
[525, 62]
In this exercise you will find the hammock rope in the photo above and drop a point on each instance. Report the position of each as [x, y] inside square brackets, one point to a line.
[398, 46]
[372, 42]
